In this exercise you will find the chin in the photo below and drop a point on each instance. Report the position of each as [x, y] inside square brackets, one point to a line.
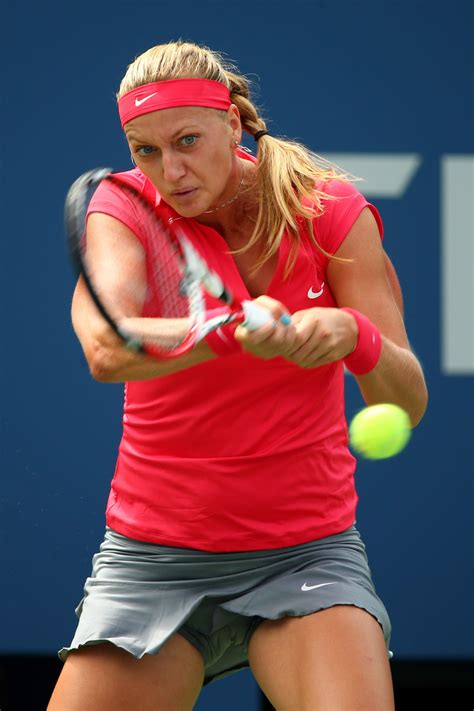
[191, 211]
[188, 212]
[188, 208]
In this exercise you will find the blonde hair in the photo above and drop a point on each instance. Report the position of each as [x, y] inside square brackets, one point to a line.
[287, 171]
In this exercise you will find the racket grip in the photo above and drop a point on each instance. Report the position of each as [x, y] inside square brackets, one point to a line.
[255, 316]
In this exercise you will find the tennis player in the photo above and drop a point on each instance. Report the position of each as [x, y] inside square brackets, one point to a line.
[230, 538]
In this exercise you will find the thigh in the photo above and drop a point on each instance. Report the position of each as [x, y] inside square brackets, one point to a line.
[333, 659]
[103, 677]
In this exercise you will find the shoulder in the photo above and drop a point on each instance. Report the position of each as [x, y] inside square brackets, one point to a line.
[341, 204]
[338, 196]
[110, 199]
[337, 188]
[109, 190]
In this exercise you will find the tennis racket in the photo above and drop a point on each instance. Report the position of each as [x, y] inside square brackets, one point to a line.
[175, 280]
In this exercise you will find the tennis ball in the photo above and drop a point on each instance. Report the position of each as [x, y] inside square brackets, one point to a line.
[379, 431]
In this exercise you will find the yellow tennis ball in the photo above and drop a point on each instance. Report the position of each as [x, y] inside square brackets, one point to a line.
[379, 431]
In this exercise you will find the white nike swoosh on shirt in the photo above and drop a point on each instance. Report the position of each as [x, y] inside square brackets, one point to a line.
[313, 587]
[139, 102]
[314, 294]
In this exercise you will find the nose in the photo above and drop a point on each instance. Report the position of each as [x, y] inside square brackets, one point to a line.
[173, 167]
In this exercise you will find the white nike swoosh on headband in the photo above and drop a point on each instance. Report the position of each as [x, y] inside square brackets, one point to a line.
[313, 587]
[139, 102]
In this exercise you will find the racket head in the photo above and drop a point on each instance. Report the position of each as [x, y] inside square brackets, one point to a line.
[158, 283]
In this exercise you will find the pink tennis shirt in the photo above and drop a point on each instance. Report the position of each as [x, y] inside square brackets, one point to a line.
[238, 453]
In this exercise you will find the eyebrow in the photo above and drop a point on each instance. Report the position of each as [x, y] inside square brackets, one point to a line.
[132, 137]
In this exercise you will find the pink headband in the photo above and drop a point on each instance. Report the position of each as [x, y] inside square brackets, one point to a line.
[175, 92]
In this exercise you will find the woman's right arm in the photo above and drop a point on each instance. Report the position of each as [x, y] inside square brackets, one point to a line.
[108, 359]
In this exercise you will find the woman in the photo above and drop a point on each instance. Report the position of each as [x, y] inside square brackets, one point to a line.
[230, 525]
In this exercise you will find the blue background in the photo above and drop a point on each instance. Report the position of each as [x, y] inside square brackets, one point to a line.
[372, 77]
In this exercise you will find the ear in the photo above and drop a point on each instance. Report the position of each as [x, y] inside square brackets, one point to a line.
[233, 115]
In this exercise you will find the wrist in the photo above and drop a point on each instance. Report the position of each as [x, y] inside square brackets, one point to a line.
[367, 351]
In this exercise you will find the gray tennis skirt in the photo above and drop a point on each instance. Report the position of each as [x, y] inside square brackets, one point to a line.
[139, 594]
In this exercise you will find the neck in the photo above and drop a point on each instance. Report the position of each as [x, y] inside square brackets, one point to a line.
[235, 214]
[231, 200]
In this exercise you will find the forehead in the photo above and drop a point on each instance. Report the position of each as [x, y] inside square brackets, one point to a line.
[168, 122]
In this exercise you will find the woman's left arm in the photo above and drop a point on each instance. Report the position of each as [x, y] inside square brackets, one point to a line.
[367, 283]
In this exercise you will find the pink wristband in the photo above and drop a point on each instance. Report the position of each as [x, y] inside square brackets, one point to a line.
[366, 354]
[222, 340]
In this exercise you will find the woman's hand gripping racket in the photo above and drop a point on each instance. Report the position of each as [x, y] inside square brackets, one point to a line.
[176, 276]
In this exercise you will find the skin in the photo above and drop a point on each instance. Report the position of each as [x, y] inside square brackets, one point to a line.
[334, 658]
[191, 148]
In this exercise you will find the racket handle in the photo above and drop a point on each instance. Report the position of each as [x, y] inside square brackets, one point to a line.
[255, 316]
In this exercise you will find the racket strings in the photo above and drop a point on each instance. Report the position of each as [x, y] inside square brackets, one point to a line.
[167, 286]
[143, 286]
[171, 300]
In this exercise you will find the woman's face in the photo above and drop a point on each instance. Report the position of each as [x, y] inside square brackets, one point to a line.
[188, 154]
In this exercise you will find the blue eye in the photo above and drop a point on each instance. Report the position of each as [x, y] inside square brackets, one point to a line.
[188, 140]
[145, 151]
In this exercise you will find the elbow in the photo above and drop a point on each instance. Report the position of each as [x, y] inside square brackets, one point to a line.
[419, 399]
[413, 399]
[411, 396]
[103, 350]
[102, 362]
[420, 406]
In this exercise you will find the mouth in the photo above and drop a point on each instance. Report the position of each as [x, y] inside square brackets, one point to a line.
[183, 194]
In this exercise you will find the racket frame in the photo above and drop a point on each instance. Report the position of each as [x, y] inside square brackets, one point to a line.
[197, 276]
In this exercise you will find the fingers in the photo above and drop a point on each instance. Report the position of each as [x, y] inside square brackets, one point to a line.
[272, 339]
[312, 338]
[276, 308]
[322, 337]
[310, 348]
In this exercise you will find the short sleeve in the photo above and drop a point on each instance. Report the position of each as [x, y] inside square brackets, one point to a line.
[341, 210]
[111, 200]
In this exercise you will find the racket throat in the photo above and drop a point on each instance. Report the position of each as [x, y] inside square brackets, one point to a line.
[215, 318]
